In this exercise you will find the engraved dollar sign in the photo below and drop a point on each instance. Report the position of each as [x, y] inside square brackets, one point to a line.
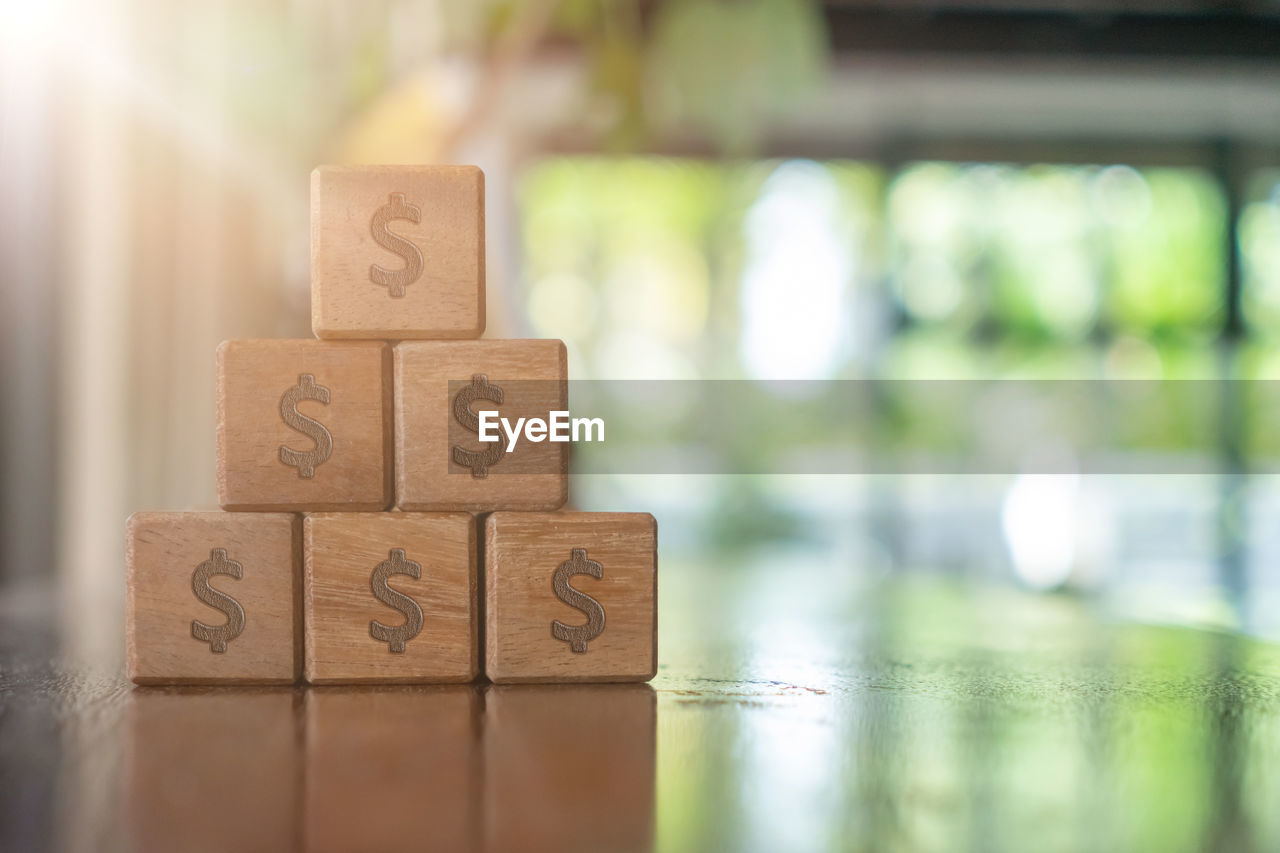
[305, 461]
[395, 281]
[400, 634]
[477, 460]
[217, 636]
[577, 636]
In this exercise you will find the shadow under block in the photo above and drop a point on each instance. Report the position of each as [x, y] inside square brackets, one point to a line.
[397, 252]
[571, 597]
[304, 425]
[587, 750]
[213, 597]
[390, 597]
[440, 462]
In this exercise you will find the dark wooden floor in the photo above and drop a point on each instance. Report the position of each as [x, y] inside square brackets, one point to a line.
[792, 712]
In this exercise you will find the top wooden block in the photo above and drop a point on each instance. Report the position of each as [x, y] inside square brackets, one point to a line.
[397, 252]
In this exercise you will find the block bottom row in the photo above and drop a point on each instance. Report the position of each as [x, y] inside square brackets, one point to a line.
[391, 597]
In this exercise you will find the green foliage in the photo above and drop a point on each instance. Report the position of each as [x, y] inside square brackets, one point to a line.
[730, 67]
[1168, 275]
[1057, 253]
[993, 271]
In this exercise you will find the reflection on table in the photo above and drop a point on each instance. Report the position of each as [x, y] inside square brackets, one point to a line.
[569, 768]
[458, 768]
[795, 710]
[211, 769]
[395, 768]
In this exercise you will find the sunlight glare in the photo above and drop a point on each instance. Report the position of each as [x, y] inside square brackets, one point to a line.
[1039, 521]
[798, 266]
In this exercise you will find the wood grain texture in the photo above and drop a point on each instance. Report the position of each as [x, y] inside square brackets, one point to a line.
[440, 268]
[392, 769]
[587, 750]
[522, 553]
[341, 551]
[254, 376]
[534, 374]
[210, 769]
[163, 552]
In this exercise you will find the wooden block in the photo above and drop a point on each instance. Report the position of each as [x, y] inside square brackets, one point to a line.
[211, 769]
[587, 750]
[304, 425]
[213, 597]
[390, 597]
[571, 596]
[440, 462]
[392, 768]
[397, 252]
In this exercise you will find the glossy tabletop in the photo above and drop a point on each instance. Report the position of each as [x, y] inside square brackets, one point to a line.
[791, 712]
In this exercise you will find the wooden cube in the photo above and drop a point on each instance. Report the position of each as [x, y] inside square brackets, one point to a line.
[304, 425]
[210, 768]
[588, 752]
[390, 597]
[571, 596]
[213, 597]
[397, 252]
[392, 768]
[440, 462]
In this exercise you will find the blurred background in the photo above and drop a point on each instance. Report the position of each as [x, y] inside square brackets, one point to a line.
[704, 189]
[761, 189]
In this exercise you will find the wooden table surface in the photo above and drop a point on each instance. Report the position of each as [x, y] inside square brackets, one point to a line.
[792, 711]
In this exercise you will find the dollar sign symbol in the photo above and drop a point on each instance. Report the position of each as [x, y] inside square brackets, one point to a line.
[217, 636]
[400, 634]
[577, 635]
[395, 281]
[477, 460]
[305, 462]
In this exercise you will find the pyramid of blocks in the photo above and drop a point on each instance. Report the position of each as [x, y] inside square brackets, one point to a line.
[368, 534]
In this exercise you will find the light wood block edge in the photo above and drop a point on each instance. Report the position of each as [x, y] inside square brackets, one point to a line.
[388, 444]
[490, 616]
[401, 334]
[130, 611]
[308, 635]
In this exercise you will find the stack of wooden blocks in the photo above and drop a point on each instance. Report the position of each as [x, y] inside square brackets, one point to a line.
[306, 572]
